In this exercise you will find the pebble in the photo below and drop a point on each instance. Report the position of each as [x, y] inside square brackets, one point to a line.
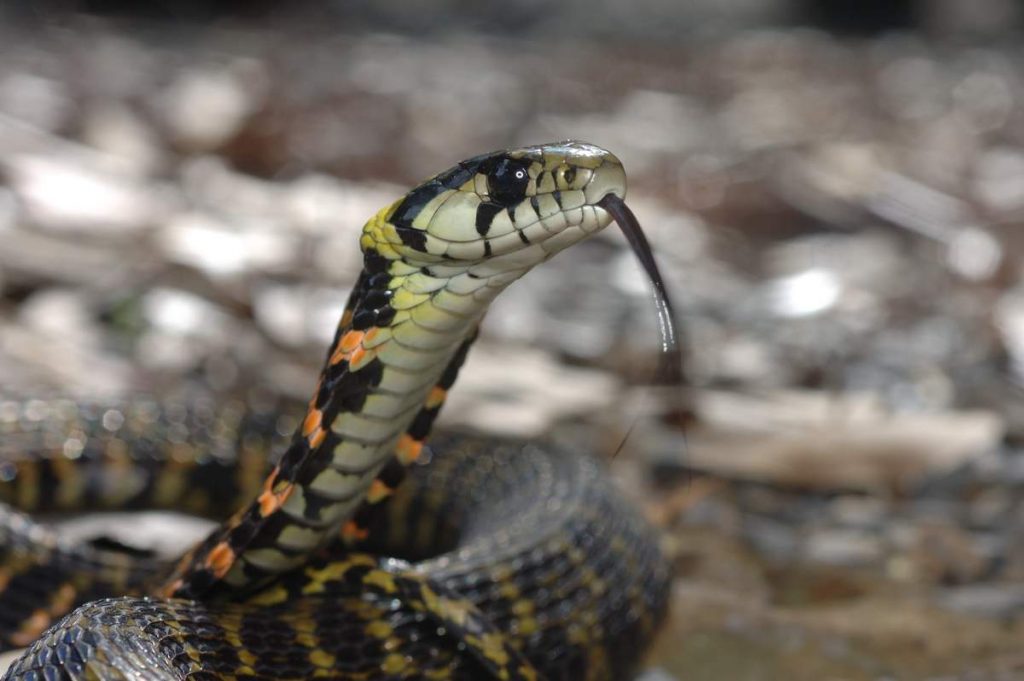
[221, 249]
[72, 195]
[776, 540]
[115, 129]
[41, 101]
[858, 512]
[844, 548]
[299, 316]
[204, 107]
[985, 600]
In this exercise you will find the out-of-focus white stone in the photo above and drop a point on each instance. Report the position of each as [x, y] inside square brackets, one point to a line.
[60, 313]
[40, 101]
[804, 294]
[1009, 319]
[8, 209]
[165, 533]
[999, 179]
[817, 440]
[201, 241]
[974, 253]
[299, 315]
[180, 313]
[321, 204]
[115, 129]
[61, 193]
[205, 107]
[848, 548]
[522, 392]
[211, 183]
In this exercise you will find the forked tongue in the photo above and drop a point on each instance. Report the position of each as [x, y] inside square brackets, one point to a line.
[671, 369]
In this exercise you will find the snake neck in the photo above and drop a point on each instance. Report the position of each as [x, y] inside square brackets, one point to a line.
[433, 262]
[398, 347]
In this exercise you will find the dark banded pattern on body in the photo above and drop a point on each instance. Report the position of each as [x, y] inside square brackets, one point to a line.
[538, 546]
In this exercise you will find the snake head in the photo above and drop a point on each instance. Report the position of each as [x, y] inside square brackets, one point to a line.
[510, 209]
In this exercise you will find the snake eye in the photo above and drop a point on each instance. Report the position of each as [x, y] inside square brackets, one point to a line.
[506, 182]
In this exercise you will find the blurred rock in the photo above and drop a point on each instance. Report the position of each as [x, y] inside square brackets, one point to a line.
[1009, 320]
[183, 314]
[204, 108]
[8, 210]
[942, 553]
[985, 600]
[999, 180]
[28, 256]
[825, 442]
[845, 548]
[974, 253]
[115, 129]
[221, 249]
[299, 316]
[61, 313]
[43, 102]
[655, 674]
[775, 540]
[858, 512]
[65, 194]
[521, 392]
[832, 180]
[165, 534]
[804, 294]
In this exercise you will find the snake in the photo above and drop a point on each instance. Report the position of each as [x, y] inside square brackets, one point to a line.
[353, 549]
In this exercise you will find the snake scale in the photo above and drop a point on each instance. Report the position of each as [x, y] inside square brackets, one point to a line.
[492, 559]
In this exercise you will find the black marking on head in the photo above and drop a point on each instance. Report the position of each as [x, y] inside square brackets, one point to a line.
[405, 212]
[507, 179]
[535, 204]
[557, 196]
[453, 178]
[487, 248]
[522, 236]
[511, 213]
[485, 213]
[415, 239]
[374, 262]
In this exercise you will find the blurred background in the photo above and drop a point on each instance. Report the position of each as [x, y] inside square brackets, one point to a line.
[835, 191]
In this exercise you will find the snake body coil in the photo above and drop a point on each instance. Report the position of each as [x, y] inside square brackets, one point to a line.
[493, 561]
